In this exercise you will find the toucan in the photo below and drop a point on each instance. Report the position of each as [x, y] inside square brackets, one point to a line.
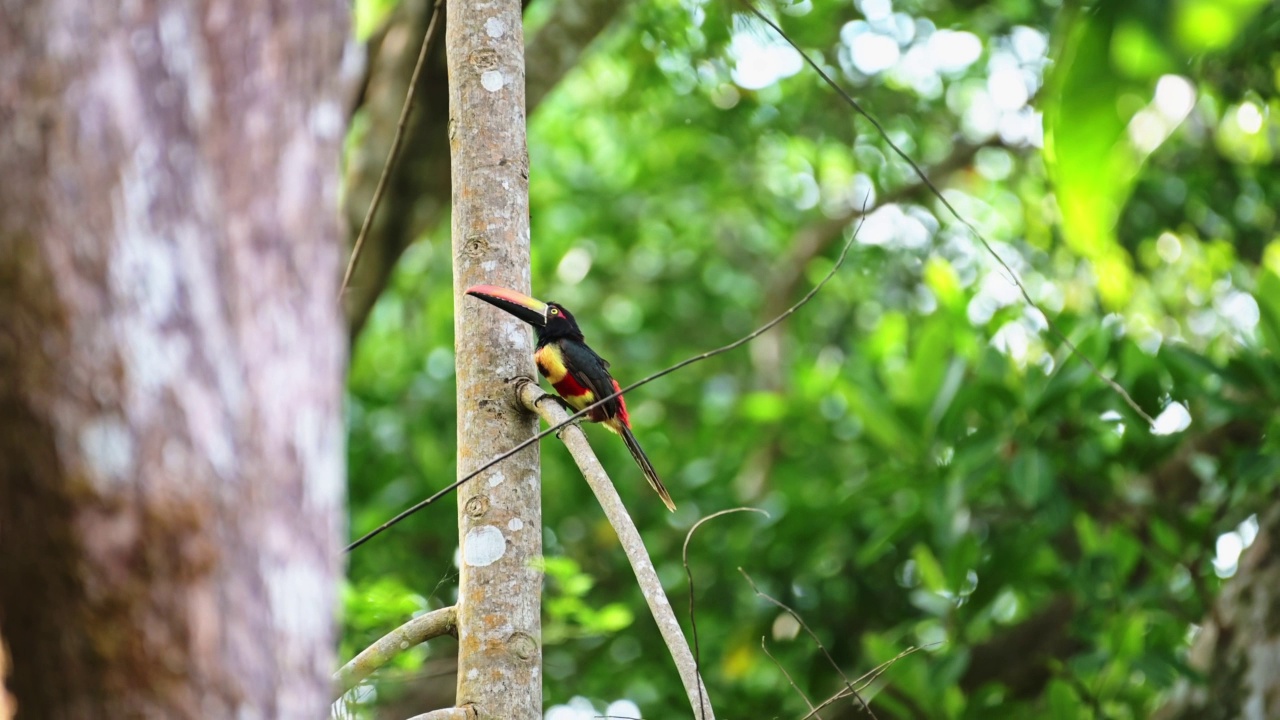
[577, 373]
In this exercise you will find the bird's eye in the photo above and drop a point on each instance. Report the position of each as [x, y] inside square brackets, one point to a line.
[555, 311]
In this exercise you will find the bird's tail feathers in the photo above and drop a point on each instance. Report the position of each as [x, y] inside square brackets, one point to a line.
[645, 466]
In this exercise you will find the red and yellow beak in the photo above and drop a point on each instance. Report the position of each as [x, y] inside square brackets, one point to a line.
[530, 310]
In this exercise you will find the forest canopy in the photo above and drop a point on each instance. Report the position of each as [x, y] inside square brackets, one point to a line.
[940, 469]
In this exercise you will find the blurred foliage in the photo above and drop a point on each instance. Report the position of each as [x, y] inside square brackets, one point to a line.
[938, 469]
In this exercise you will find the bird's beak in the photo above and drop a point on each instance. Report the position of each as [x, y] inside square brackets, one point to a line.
[528, 309]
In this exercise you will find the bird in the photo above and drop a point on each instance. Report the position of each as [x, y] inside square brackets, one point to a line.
[578, 374]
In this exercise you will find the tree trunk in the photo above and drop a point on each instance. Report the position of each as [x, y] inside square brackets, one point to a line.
[171, 356]
[499, 513]
[1238, 646]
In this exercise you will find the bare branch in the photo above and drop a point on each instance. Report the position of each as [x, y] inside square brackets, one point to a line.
[556, 47]
[693, 625]
[813, 635]
[812, 710]
[865, 680]
[557, 417]
[411, 634]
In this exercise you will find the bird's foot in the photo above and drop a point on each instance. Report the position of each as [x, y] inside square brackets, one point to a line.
[548, 396]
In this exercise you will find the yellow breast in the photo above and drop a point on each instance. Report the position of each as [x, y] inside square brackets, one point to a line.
[550, 363]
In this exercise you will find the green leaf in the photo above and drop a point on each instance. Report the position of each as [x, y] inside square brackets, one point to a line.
[1208, 25]
[1032, 476]
[1090, 160]
[930, 570]
[1064, 703]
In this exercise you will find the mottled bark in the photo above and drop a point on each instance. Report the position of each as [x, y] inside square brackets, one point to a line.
[1238, 647]
[500, 512]
[417, 194]
[171, 357]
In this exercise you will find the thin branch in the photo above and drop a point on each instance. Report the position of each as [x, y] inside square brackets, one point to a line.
[556, 416]
[844, 252]
[1017, 281]
[394, 153]
[411, 634]
[812, 710]
[813, 635]
[453, 713]
[684, 554]
[869, 677]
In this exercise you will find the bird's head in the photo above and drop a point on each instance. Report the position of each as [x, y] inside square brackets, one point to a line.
[551, 320]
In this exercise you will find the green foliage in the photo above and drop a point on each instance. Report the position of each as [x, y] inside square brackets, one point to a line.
[569, 612]
[939, 470]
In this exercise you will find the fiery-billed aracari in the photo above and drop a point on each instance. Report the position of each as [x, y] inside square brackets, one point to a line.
[578, 374]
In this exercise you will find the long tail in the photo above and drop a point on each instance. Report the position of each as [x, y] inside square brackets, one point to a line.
[645, 466]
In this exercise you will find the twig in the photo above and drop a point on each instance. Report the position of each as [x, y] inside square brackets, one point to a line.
[813, 635]
[870, 676]
[812, 710]
[415, 632]
[529, 393]
[684, 554]
[1115, 386]
[394, 153]
[844, 252]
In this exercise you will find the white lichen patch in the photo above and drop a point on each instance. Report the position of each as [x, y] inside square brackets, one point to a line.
[493, 27]
[491, 80]
[107, 448]
[515, 524]
[299, 595]
[483, 546]
[326, 119]
[496, 479]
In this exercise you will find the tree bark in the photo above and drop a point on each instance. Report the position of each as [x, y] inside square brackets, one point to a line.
[500, 512]
[171, 356]
[1238, 646]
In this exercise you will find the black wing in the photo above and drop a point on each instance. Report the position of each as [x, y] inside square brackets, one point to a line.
[591, 371]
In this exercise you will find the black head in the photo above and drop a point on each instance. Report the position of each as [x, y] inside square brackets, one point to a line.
[560, 324]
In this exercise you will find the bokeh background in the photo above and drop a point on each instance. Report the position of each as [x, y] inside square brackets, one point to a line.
[938, 468]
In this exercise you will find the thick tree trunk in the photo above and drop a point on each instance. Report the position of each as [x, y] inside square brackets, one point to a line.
[500, 512]
[171, 356]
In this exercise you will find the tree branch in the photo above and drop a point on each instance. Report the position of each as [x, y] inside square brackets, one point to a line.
[411, 634]
[529, 394]
[463, 713]
[813, 711]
